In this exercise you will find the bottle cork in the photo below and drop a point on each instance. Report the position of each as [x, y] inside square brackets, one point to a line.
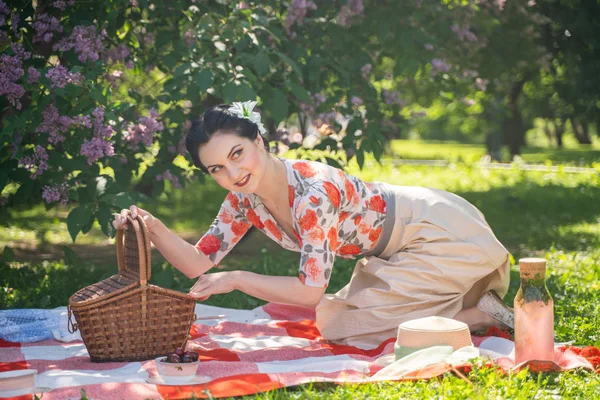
[532, 268]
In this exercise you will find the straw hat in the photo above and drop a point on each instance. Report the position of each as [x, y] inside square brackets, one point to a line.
[426, 332]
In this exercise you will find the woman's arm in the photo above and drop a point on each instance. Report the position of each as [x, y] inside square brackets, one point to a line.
[181, 254]
[276, 289]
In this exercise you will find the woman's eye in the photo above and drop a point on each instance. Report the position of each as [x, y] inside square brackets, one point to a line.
[236, 154]
[215, 170]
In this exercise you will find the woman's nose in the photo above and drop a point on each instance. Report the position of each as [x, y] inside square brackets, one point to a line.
[234, 173]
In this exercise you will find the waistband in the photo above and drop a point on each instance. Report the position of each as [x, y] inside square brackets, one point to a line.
[389, 196]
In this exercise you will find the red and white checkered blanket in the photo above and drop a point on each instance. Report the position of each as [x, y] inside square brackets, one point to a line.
[241, 352]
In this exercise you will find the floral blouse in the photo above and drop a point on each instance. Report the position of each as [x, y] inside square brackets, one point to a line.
[333, 214]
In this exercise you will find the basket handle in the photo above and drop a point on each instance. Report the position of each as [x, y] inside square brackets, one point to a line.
[144, 249]
[71, 326]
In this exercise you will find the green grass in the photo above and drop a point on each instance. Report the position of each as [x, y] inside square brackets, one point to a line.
[553, 215]
[572, 154]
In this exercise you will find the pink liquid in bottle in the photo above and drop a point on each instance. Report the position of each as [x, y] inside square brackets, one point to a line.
[534, 314]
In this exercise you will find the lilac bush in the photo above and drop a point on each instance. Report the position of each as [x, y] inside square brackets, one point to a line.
[96, 96]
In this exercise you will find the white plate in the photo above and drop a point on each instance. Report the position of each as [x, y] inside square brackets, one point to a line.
[197, 380]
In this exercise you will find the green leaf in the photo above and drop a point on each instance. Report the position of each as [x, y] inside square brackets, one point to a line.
[230, 91]
[261, 63]
[3, 179]
[71, 259]
[105, 219]
[300, 92]
[204, 80]
[288, 61]
[360, 157]
[278, 104]
[78, 218]
[120, 200]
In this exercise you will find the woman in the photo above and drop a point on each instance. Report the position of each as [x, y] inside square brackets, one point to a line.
[426, 252]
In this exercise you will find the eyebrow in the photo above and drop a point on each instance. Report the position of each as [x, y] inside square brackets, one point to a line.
[228, 155]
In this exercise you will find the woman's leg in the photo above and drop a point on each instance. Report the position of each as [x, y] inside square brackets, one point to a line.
[477, 319]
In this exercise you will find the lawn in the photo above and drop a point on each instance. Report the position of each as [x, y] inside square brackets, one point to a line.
[554, 215]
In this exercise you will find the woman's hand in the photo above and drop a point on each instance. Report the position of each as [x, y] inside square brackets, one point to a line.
[216, 283]
[121, 219]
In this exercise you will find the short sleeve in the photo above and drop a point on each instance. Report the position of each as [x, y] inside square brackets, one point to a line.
[227, 229]
[316, 222]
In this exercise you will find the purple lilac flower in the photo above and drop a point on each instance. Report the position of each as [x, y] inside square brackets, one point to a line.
[45, 27]
[188, 37]
[54, 193]
[116, 54]
[14, 23]
[326, 118]
[500, 4]
[356, 6]
[135, 3]
[168, 176]
[318, 99]
[34, 75]
[347, 11]
[297, 12]
[55, 124]
[469, 73]
[439, 66]
[143, 132]
[356, 101]
[429, 47]
[463, 34]
[62, 4]
[4, 12]
[96, 148]
[11, 70]
[392, 97]
[366, 70]
[148, 39]
[60, 77]
[101, 130]
[113, 77]
[36, 164]
[85, 41]
[20, 51]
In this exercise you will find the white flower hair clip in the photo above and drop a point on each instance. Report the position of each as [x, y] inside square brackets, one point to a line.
[244, 110]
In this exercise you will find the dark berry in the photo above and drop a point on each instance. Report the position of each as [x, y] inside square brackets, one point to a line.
[193, 355]
[174, 358]
[186, 359]
[179, 351]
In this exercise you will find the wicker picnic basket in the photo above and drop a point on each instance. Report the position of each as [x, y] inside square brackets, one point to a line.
[123, 318]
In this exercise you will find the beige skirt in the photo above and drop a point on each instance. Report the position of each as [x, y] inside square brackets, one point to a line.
[440, 258]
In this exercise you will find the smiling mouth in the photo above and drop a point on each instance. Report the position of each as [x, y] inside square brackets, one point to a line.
[243, 182]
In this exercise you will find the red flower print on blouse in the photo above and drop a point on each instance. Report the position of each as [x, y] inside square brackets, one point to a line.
[313, 271]
[246, 203]
[333, 193]
[304, 169]
[316, 235]
[239, 228]
[343, 216]
[308, 221]
[255, 219]
[332, 235]
[349, 249]
[234, 201]
[291, 195]
[302, 277]
[271, 227]
[209, 244]
[377, 204]
[374, 234]
[298, 238]
[350, 191]
[314, 199]
[357, 220]
[364, 228]
[225, 216]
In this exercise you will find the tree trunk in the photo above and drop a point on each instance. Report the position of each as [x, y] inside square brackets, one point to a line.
[513, 129]
[559, 131]
[581, 131]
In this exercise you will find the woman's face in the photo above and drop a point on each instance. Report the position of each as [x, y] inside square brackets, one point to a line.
[235, 162]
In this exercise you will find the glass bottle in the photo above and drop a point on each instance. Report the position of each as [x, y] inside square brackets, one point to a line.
[534, 313]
